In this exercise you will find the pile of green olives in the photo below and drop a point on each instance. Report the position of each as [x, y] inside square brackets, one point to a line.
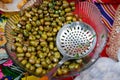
[35, 37]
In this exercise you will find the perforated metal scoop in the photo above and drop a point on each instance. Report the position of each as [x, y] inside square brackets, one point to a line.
[76, 38]
[74, 41]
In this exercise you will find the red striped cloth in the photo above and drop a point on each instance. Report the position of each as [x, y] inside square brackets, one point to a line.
[106, 1]
[107, 9]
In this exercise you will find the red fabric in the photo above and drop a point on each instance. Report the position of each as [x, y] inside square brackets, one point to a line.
[109, 1]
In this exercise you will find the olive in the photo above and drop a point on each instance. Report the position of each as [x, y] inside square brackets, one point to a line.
[38, 61]
[43, 43]
[65, 5]
[51, 45]
[68, 10]
[28, 65]
[37, 65]
[44, 36]
[20, 49]
[57, 55]
[38, 70]
[38, 23]
[44, 72]
[27, 14]
[59, 71]
[28, 54]
[62, 13]
[41, 55]
[72, 4]
[35, 36]
[55, 59]
[32, 68]
[18, 44]
[33, 23]
[69, 18]
[26, 33]
[44, 64]
[28, 27]
[50, 66]
[41, 16]
[23, 62]
[64, 71]
[48, 61]
[71, 66]
[20, 55]
[20, 58]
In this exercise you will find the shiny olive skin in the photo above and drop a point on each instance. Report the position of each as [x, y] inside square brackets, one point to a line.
[35, 38]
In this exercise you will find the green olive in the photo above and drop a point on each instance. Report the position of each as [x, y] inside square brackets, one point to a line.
[62, 13]
[18, 44]
[41, 55]
[40, 11]
[34, 9]
[33, 23]
[68, 10]
[34, 18]
[55, 59]
[28, 65]
[44, 72]
[72, 4]
[32, 68]
[20, 55]
[38, 61]
[59, 71]
[43, 43]
[35, 36]
[65, 5]
[50, 67]
[57, 55]
[27, 14]
[28, 54]
[19, 59]
[37, 65]
[38, 70]
[31, 61]
[41, 15]
[51, 45]
[44, 36]
[32, 37]
[20, 49]
[50, 39]
[26, 33]
[69, 18]
[28, 27]
[44, 64]
[48, 61]
[72, 66]
[38, 23]
[23, 62]
[64, 71]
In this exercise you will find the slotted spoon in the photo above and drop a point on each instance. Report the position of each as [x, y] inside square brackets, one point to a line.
[75, 40]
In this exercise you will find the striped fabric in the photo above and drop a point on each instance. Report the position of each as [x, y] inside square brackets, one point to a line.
[106, 1]
[107, 10]
[108, 13]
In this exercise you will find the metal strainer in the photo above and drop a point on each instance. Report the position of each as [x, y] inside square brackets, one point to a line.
[74, 41]
[76, 38]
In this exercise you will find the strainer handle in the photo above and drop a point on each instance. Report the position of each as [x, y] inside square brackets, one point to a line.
[50, 74]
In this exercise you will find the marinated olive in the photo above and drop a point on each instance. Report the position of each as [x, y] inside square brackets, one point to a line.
[35, 36]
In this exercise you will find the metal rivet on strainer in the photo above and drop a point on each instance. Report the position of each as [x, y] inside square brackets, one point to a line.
[76, 38]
